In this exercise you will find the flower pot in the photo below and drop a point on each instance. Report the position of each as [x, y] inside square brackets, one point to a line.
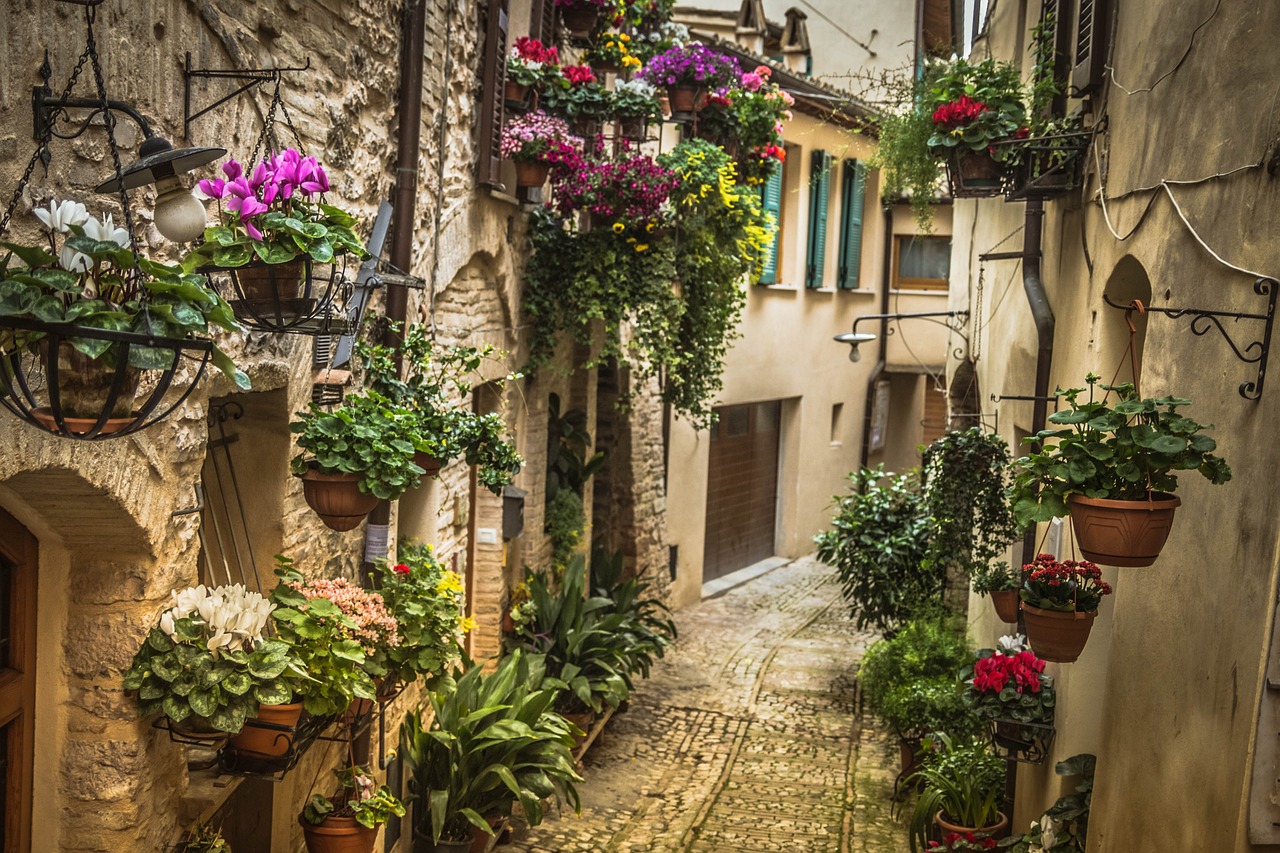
[198, 729]
[271, 740]
[273, 293]
[1122, 533]
[1006, 602]
[84, 390]
[531, 173]
[978, 831]
[684, 99]
[480, 838]
[580, 20]
[337, 498]
[516, 92]
[908, 756]
[422, 843]
[1011, 735]
[429, 464]
[633, 127]
[584, 126]
[1056, 635]
[582, 720]
[338, 835]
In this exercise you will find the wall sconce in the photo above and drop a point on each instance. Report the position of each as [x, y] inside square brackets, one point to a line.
[955, 322]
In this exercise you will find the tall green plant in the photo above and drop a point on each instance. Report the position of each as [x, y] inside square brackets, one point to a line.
[878, 544]
[962, 780]
[902, 150]
[646, 619]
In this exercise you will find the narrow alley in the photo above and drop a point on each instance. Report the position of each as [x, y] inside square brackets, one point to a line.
[745, 738]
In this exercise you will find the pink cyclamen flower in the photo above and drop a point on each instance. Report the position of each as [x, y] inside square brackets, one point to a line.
[232, 169]
[213, 188]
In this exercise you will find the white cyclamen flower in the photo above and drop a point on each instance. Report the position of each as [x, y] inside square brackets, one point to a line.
[1048, 832]
[105, 230]
[61, 216]
[1013, 643]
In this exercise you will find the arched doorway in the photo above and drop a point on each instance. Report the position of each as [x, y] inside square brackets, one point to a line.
[18, 560]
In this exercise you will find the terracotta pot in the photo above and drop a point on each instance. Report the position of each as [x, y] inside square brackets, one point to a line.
[908, 755]
[1006, 602]
[422, 843]
[268, 741]
[198, 728]
[508, 624]
[339, 835]
[429, 464]
[514, 91]
[84, 385]
[582, 720]
[272, 294]
[664, 102]
[684, 99]
[78, 426]
[1055, 635]
[337, 499]
[480, 838]
[531, 173]
[980, 832]
[580, 20]
[1122, 533]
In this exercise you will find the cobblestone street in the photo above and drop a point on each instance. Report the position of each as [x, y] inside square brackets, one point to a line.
[745, 738]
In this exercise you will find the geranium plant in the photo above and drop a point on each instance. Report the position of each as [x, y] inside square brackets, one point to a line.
[1067, 586]
[207, 662]
[748, 116]
[271, 212]
[427, 602]
[359, 796]
[538, 137]
[694, 65]
[88, 276]
[531, 63]
[1010, 686]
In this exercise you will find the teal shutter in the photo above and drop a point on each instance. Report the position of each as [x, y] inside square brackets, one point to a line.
[819, 200]
[852, 195]
[771, 201]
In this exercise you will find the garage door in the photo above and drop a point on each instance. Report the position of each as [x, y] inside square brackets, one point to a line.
[742, 488]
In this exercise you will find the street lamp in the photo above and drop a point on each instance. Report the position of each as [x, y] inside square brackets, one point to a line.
[955, 321]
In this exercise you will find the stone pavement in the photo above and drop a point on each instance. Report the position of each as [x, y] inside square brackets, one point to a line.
[746, 739]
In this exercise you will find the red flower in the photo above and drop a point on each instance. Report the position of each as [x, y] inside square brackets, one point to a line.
[960, 112]
[400, 569]
[579, 75]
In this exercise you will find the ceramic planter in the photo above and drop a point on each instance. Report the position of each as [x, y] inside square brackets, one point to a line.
[979, 831]
[1122, 533]
[1006, 602]
[531, 173]
[1056, 635]
[338, 835]
[273, 739]
[337, 499]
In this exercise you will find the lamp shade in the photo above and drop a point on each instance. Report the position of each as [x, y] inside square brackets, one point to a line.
[854, 339]
[158, 160]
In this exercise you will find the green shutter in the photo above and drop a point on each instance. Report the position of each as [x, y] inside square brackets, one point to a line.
[819, 201]
[771, 201]
[852, 195]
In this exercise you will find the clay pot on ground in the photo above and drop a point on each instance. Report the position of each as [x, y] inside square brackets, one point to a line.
[337, 498]
[531, 173]
[1057, 635]
[338, 835]
[1006, 603]
[908, 756]
[978, 831]
[1122, 533]
[480, 838]
[273, 739]
[582, 720]
[422, 843]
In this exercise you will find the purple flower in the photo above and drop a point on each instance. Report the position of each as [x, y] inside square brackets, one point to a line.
[232, 169]
[214, 188]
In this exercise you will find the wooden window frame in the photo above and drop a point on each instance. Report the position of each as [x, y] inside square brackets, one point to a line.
[930, 285]
[18, 682]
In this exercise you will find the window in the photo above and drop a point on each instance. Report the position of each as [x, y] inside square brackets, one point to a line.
[771, 201]
[819, 202]
[493, 79]
[852, 195]
[921, 263]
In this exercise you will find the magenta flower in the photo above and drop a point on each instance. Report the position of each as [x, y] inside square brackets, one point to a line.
[232, 169]
[214, 188]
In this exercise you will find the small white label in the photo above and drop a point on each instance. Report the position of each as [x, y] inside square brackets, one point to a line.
[487, 536]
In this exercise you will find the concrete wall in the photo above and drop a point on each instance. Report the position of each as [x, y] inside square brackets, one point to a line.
[1167, 691]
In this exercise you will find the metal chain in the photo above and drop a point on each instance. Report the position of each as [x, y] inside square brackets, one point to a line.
[288, 121]
[979, 321]
[268, 124]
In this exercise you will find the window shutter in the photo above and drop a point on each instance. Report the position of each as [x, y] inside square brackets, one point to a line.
[542, 21]
[819, 198]
[853, 195]
[493, 80]
[1091, 45]
[771, 201]
[1058, 16]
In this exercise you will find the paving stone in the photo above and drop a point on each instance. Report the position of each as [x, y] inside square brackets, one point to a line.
[746, 739]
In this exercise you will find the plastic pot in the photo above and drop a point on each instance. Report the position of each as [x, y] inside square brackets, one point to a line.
[1006, 602]
[1056, 635]
[1122, 533]
[337, 498]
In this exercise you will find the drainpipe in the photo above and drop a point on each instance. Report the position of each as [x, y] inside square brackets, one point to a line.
[883, 343]
[1042, 314]
[409, 109]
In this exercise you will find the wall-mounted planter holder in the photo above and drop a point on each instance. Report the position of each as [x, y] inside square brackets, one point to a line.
[47, 386]
[1202, 320]
[300, 297]
[1026, 743]
[1047, 166]
[975, 174]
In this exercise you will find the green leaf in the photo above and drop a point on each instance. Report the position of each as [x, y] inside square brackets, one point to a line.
[273, 693]
[237, 683]
[230, 718]
[204, 702]
[48, 309]
[175, 708]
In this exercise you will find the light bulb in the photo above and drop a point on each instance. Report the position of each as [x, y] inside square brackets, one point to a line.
[179, 215]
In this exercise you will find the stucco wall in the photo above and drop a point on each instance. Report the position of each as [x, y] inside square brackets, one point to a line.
[1166, 693]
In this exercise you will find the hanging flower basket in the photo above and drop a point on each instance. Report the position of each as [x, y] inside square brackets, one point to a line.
[337, 498]
[684, 99]
[1026, 743]
[1006, 602]
[580, 20]
[58, 389]
[1122, 533]
[531, 173]
[635, 128]
[1057, 635]
[298, 297]
[975, 174]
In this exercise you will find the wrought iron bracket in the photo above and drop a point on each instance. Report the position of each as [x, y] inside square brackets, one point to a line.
[953, 320]
[248, 79]
[46, 110]
[1202, 320]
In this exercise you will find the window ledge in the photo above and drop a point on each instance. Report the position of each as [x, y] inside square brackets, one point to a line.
[921, 292]
[784, 287]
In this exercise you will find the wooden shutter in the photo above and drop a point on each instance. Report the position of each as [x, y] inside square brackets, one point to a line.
[493, 80]
[819, 198]
[771, 201]
[542, 21]
[852, 196]
[1091, 45]
[1058, 16]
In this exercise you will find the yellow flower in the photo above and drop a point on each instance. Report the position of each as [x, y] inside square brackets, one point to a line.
[618, 228]
[450, 582]
[649, 228]
[468, 625]
[631, 62]
[624, 37]
[643, 247]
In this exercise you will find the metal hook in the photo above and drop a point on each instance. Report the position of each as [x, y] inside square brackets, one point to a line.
[1135, 305]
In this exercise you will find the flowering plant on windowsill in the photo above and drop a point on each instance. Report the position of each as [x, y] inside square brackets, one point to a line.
[427, 601]
[531, 63]
[1065, 586]
[539, 138]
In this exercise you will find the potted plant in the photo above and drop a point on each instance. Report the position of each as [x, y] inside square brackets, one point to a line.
[327, 641]
[612, 52]
[493, 741]
[580, 97]
[1114, 469]
[203, 838]
[273, 227]
[645, 618]
[208, 665]
[635, 106]
[1059, 603]
[348, 823]
[689, 72]
[355, 455]
[88, 279]
[955, 842]
[1002, 584]
[426, 600]
[975, 105]
[580, 16]
[616, 192]
[531, 65]
[962, 786]
[536, 142]
[1009, 689]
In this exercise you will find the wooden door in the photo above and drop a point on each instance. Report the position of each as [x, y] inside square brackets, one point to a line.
[17, 680]
[742, 488]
